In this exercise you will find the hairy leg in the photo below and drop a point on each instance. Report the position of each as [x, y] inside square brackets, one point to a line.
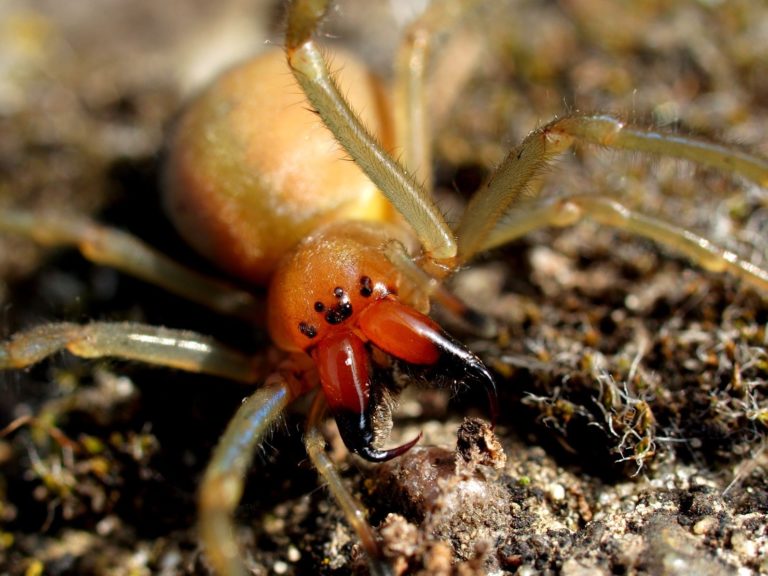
[222, 485]
[525, 163]
[569, 210]
[352, 508]
[413, 114]
[181, 349]
[397, 184]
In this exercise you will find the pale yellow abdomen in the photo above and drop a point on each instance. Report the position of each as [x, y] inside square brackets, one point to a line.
[252, 170]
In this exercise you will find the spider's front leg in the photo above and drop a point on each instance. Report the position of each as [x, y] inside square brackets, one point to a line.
[172, 348]
[399, 186]
[495, 216]
[352, 508]
[223, 482]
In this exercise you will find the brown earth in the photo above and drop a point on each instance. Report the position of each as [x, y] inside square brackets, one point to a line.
[632, 385]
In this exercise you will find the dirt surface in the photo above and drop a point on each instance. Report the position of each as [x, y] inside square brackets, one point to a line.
[632, 385]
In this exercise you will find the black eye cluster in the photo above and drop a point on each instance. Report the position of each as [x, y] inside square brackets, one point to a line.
[340, 310]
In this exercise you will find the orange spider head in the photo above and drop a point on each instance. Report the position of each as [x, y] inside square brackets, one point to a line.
[338, 296]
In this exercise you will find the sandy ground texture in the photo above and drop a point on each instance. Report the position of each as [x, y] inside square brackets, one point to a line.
[632, 385]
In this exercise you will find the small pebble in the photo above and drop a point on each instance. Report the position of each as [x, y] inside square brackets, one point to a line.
[705, 526]
[556, 492]
[293, 554]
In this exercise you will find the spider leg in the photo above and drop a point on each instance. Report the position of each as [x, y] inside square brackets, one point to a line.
[352, 508]
[608, 131]
[525, 162]
[607, 211]
[222, 485]
[467, 317]
[412, 122]
[168, 347]
[398, 185]
[124, 252]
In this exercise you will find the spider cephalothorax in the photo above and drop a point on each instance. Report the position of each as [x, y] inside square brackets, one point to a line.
[336, 295]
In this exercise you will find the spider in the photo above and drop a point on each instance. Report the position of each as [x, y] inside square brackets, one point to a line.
[361, 283]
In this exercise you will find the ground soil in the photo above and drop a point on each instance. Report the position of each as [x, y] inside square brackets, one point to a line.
[631, 384]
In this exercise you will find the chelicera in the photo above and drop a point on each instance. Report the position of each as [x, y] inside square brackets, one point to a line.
[353, 253]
